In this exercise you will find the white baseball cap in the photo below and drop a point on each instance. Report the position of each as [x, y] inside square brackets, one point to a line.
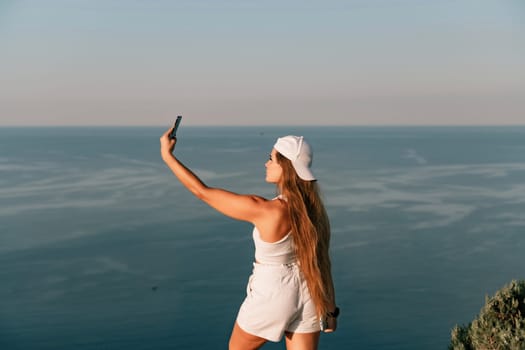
[296, 149]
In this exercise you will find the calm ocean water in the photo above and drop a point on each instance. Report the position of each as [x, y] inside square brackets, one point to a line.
[101, 248]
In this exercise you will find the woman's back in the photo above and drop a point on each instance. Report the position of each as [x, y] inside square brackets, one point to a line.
[274, 253]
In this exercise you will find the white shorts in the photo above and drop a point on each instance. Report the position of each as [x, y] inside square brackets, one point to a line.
[277, 301]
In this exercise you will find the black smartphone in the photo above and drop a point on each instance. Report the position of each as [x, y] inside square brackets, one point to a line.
[175, 127]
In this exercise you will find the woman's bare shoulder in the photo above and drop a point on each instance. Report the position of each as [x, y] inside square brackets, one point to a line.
[275, 223]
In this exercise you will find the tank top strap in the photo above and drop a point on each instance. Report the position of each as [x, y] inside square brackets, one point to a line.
[280, 196]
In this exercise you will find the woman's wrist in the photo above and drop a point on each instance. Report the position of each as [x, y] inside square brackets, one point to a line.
[334, 313]
[166, 154]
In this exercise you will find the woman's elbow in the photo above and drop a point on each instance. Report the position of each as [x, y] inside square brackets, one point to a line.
[200, 192]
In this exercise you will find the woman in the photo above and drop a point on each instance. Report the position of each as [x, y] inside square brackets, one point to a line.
[290, 291]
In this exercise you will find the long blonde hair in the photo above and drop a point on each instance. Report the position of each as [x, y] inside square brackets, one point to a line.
[310, 232]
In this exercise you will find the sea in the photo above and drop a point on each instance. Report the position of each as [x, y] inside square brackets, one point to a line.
[102, 248]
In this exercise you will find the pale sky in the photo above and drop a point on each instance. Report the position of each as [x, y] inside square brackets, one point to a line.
[244, 62]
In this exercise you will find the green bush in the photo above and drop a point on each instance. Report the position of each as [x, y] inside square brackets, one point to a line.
[500, 324]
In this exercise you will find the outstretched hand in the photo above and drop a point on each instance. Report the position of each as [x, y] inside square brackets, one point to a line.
[167, 145]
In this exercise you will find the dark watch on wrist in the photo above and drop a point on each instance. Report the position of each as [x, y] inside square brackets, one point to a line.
[334, 313]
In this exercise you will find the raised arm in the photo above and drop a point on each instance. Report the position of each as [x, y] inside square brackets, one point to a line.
[249, 208]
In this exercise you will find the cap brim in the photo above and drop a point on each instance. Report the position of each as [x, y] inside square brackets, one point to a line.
[303, 172]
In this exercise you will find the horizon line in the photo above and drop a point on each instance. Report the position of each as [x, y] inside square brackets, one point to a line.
[251, 125]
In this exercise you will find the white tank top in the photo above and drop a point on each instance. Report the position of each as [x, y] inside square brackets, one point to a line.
[280, 252]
